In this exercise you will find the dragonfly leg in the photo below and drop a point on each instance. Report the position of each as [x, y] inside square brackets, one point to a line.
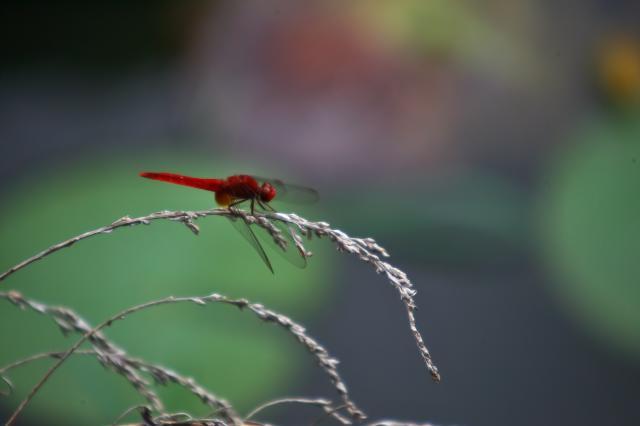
[265, 206]
[235, 203]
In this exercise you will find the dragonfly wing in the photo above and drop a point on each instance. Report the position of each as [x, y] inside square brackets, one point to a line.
[246, 231]
[288, 193]
[292, 254]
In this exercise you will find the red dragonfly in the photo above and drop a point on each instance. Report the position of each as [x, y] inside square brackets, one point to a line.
[259, 192]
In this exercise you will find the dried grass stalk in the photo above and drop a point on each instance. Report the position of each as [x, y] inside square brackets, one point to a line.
[94, 335]
[365, 248]
[115, 358]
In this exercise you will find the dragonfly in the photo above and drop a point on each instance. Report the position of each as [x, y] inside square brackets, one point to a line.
[259, 192]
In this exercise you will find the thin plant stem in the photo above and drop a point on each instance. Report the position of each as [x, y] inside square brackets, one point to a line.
[366, 249]
[327, 363]
[325, 404]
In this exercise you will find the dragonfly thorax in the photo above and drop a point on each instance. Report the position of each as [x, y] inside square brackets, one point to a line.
[227, 196]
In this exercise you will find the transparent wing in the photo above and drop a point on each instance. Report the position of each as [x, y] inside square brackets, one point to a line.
[292, 254]
[291, 193]
[246, 231]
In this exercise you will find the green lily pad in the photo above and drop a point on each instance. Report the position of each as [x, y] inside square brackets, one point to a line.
[591, 228]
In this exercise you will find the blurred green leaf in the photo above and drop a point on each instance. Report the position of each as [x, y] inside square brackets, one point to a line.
[591, 229]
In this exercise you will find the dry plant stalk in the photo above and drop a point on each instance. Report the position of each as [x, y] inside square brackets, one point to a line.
[365, 248]
[160, 374]
[118, 358]
[113, 357]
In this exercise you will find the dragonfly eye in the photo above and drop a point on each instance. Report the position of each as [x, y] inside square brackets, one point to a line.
[267, 192]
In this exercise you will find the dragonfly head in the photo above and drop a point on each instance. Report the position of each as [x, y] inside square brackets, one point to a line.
[267, 192]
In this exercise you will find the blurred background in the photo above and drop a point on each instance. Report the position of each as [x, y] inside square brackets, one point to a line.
[492, 146]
